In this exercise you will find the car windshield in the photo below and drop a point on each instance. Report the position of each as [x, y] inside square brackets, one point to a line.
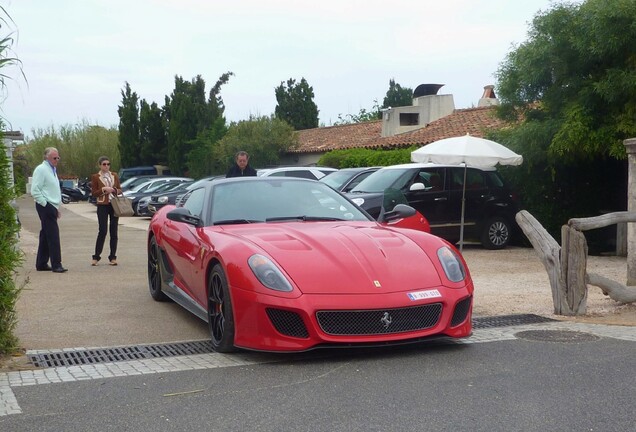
[338, 178]
[202, 181]
[152, 186]
[166, 187]
[277, 200]
[379, 181]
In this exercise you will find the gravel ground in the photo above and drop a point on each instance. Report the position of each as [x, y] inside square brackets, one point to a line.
[514, 281]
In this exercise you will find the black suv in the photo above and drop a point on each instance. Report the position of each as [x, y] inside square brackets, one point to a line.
[436, 192]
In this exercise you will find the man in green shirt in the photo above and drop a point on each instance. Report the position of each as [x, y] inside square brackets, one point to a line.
[46, 191]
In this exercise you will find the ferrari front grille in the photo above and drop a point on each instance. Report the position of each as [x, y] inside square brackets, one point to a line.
[288, 323]
[461, 311]
[379, 321]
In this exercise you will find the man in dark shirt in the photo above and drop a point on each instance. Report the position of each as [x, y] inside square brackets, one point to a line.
[241, 168]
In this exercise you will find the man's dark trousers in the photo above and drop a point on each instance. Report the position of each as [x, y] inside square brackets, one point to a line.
[49, 245]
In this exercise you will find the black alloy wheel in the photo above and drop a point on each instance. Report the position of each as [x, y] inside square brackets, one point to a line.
[220, 316]
[154, 271]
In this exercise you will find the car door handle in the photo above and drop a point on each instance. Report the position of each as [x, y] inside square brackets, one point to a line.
[440, 199]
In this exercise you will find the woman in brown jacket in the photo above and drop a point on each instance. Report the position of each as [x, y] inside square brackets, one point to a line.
[104, 185]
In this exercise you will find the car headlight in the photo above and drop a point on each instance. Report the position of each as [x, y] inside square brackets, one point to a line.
[452, 264]
[162, 199]
[268, 273]
[358, 201]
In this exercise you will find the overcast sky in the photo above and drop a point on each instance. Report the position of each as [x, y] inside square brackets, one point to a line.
[77, 55]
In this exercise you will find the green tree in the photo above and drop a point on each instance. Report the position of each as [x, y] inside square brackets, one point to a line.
[571, 90]
[295, 104]
[129, 145]
[397, 96]
[363, 116]
[80, 146]
[200, 160]
[10, 255]
[266, 139]
[10, 258]
[187, 118]
[152, 135]
[576, 75]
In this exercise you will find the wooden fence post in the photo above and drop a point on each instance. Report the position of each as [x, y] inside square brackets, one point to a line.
[630, 147]
[573, 270]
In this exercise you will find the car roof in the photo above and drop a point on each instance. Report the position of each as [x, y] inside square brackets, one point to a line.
[160, 179]
[262, 171]
[359, 169]
[435, 165]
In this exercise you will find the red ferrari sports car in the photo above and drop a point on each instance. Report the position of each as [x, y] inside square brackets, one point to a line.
[289, 264]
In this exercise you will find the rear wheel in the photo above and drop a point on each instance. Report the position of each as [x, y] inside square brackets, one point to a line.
[496, 233]
[154, 272]
[220, 316]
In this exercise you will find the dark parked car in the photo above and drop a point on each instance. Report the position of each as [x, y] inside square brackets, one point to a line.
[160, 199]
[135, 181]
[143, 207]
[152, 186]
[436, 192]
[346, 179]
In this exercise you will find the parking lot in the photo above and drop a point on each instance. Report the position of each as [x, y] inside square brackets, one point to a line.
[507, 368]
[109, 306]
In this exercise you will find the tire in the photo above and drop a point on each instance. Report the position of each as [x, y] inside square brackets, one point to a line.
[154, 272]
[496, 234]
[65, 199]
[220, 315]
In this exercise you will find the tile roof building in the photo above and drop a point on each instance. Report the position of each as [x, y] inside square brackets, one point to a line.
[430, 118]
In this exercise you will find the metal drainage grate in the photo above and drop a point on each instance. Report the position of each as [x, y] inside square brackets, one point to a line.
[139, 352]
[105, 355]
[508, 320]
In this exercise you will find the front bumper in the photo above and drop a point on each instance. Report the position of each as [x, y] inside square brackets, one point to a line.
[270, 323]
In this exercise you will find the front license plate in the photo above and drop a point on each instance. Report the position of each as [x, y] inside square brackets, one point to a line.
[420, 295]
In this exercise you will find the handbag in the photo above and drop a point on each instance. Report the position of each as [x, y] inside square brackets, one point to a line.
[122, 206]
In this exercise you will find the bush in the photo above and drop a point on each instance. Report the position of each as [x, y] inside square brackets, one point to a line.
[365, 157]
[10, 260]
[79, 145]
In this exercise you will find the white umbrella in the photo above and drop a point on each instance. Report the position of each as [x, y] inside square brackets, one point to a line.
[466, 150]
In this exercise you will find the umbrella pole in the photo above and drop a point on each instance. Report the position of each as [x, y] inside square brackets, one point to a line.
[461, 224]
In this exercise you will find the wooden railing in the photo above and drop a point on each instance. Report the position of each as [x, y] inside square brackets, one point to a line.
[567, 264]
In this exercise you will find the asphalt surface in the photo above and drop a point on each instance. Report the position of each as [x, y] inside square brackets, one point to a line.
[93, 306]
[498, 380]
[514, 385]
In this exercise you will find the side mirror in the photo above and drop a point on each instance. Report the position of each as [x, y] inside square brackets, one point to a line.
[400, 211]
[182, 214]
[417, 187]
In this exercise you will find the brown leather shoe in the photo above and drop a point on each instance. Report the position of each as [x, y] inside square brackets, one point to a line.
[113, 262]
[94, 262]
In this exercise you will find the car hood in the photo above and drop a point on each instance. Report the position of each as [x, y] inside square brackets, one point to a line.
[331, 258]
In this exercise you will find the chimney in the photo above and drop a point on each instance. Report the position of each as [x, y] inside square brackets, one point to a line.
[488, 98]
[427, 107]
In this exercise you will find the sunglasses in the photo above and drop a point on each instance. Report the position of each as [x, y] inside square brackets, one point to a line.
[105, 163]
[56, 158]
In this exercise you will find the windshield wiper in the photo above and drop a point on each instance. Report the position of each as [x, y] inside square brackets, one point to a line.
[236, 221]
[304, 218]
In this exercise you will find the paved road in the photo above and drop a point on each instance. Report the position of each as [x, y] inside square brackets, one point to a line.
[574, 376]
[497, 383]
[93, 306]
